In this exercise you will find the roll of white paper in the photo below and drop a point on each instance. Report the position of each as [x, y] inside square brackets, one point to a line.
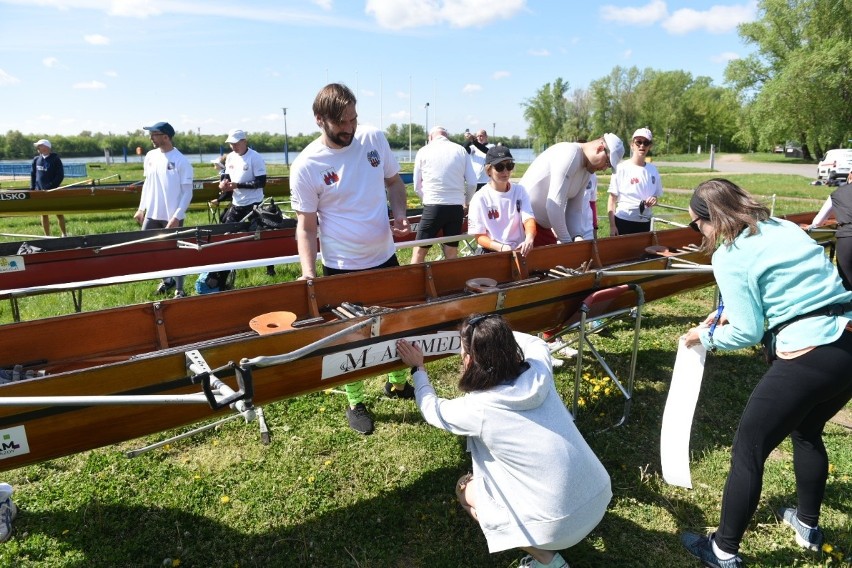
[677, 416]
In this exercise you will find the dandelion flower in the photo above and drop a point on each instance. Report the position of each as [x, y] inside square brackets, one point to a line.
[224, 499]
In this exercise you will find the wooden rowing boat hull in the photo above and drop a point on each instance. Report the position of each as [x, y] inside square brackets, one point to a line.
[92, 257]
[141, 349]
[110, 197]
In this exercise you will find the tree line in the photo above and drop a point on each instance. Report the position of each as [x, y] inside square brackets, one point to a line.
[794, 88]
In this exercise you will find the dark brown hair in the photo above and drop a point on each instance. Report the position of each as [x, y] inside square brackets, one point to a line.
[332, 100]
[495, 356]
[732, 210]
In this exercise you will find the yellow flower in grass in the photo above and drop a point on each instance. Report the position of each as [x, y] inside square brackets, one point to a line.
[175, 562]
[581, 402]
[321, 409]
[827, 548]
[831, 468]
[224, 499]
[311, 479]
[327, 462]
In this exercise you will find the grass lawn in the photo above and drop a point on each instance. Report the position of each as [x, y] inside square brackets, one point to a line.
[322, 495]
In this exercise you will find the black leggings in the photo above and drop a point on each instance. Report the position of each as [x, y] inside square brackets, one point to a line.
[794, 398]
[843, 253]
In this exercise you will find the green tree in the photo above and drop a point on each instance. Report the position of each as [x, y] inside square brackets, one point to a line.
[796, 85]
[547, 113]
[616, 101]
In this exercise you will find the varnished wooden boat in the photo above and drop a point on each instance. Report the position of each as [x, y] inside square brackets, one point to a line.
[165, 348]
[110, 255]
[93, 198]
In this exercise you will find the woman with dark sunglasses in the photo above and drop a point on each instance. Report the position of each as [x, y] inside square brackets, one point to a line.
[500, 214]
[536, 484]
[773, 275]
[634, 189]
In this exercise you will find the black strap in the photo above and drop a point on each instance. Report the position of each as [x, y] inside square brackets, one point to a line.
[829, 310]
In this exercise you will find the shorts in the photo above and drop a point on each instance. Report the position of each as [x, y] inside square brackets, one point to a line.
[446, 219]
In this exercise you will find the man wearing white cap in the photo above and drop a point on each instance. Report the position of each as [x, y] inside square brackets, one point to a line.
[47, 173]
[634, 189]
[166, 192]
[242, 180]
[556, 183]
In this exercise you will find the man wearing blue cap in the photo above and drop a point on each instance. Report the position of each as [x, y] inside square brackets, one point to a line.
[166, 192]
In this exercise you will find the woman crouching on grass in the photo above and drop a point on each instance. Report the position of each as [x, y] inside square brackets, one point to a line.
[770, 273]
[536, 485]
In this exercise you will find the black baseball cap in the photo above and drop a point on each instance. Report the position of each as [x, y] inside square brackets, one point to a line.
[497, 154]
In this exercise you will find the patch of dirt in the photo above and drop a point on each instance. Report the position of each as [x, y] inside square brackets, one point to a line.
[729, 157]
[843, 418]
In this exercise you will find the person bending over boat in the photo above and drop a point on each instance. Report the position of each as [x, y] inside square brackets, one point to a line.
[771, 273]
[166, 192]
[500, 215]
[241, 181]
[536, 484]
[556, 183]
[634, 189]
[47, 173]
[343, 181]
[839, 203]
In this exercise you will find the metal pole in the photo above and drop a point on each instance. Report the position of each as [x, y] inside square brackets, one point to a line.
[427, 122]
[286, 142]
[494, 130]
[200, 159]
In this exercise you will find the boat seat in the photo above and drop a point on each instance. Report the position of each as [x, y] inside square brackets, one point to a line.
[597, 311]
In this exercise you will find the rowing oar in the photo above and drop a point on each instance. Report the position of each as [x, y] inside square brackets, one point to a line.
[146, 239]
[76, 183]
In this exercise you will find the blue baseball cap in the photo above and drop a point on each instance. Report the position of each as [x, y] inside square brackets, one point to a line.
[163, 127]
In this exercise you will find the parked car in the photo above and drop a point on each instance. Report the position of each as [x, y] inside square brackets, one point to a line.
[835, 164]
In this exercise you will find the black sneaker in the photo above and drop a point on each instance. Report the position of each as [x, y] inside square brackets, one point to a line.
[166, 285]
[407, 391]
[701, 547]
[270, 271]
[360, 419]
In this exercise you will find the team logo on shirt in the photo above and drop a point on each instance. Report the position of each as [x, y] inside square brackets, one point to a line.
[171, 166]
[653, 179]
[330, 177]
[493, 214]
[374, 159]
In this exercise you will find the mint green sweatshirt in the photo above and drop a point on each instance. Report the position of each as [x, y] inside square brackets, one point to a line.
[770, 277]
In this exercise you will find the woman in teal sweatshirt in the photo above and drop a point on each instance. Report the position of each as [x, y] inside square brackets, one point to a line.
[772, 275]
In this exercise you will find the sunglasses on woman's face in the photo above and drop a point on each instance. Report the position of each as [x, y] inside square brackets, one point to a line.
[505, 166]
[694, 225]
[642, 142]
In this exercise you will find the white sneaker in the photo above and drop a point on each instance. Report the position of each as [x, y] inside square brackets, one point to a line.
[8, 512]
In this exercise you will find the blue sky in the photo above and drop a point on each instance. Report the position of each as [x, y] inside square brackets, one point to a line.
[117, 65]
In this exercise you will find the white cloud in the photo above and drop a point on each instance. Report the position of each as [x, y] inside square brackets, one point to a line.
[324, 4]
[716, 20]
[500, 75]
[401, 95]
[627, 53]
[367, 93]
[724, 57]
[96, 39]
[273, 116]
[111, 73]
[399, 115]
[6, 79]
[136, 8]
[89, 85]
[393, 14]
[642, 16]
[471, 88]
[50, 62]
[539, 52]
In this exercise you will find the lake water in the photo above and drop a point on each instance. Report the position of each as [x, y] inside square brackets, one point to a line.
[521, 155]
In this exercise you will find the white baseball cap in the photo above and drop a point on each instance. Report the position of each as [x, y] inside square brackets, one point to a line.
[644, 133]
[43, 142]
[616, 149]
[235, 136]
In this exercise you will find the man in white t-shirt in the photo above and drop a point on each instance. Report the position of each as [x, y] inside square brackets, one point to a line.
[342, 182]
[166, 192]
[477, 147]
[556, 183]
[634, 189]
[445, 182]
[241, 180]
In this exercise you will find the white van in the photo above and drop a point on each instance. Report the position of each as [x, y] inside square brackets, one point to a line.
[835, 164]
